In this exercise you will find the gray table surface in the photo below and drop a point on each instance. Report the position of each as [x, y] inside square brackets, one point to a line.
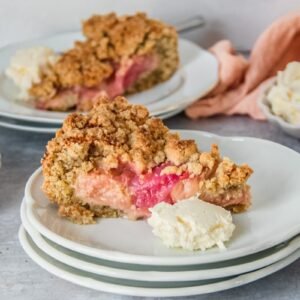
[21, 278]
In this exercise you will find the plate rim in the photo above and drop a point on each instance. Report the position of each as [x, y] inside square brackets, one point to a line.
[58, 254]
[152, 292]
[114, 255]
[27, 128]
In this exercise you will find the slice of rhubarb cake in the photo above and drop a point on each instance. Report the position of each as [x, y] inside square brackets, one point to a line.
[120, 55]
[118, 161]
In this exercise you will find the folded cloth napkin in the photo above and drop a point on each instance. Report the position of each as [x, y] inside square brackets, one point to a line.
[240, 80]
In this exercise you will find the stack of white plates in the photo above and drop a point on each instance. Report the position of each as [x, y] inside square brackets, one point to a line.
[197, 75]
[122, 256]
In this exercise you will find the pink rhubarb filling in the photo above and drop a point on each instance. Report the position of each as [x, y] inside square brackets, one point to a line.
[149, 189]
[133, 193]
[126, 190]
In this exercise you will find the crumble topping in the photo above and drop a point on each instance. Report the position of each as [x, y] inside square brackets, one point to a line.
[227, 176]
[126, 35]
[116, 131]
[179, 151]
[109, 41]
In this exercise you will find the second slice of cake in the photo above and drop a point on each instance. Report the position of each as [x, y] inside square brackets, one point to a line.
[120, 55]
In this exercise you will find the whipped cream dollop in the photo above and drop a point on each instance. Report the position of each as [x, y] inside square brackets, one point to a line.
[284, 96]
[191, 224]
[26, 68]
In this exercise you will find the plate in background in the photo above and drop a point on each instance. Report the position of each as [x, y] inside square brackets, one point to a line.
[196, 76]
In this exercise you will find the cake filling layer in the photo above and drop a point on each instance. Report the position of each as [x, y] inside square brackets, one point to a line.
[132, 193]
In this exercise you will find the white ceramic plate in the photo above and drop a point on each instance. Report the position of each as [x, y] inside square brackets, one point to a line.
[11, 123]
[196, 76]
[160, 273]
[275, 190]
[142, 288]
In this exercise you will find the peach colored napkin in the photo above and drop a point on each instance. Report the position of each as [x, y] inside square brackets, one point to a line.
[240, 80]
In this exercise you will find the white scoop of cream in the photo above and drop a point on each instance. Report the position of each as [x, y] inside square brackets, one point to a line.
[26, 68]
[191, 224]
[284, 96]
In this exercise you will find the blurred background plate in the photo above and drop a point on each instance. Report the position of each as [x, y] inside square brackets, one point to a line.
[196, 76]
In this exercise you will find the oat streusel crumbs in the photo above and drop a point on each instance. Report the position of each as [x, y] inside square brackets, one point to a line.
[179, 151]
[47, 88]
[126, 35]
[228, 175]
[77, 213]
[115, 134]
[110, 40]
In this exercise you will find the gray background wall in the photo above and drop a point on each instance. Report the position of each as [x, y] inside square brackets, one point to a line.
[239, 21]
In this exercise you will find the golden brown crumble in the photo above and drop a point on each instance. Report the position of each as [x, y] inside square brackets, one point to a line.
[225, 179]
[109, 40]
[77, 213]
[179, 151]
[115, 133]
